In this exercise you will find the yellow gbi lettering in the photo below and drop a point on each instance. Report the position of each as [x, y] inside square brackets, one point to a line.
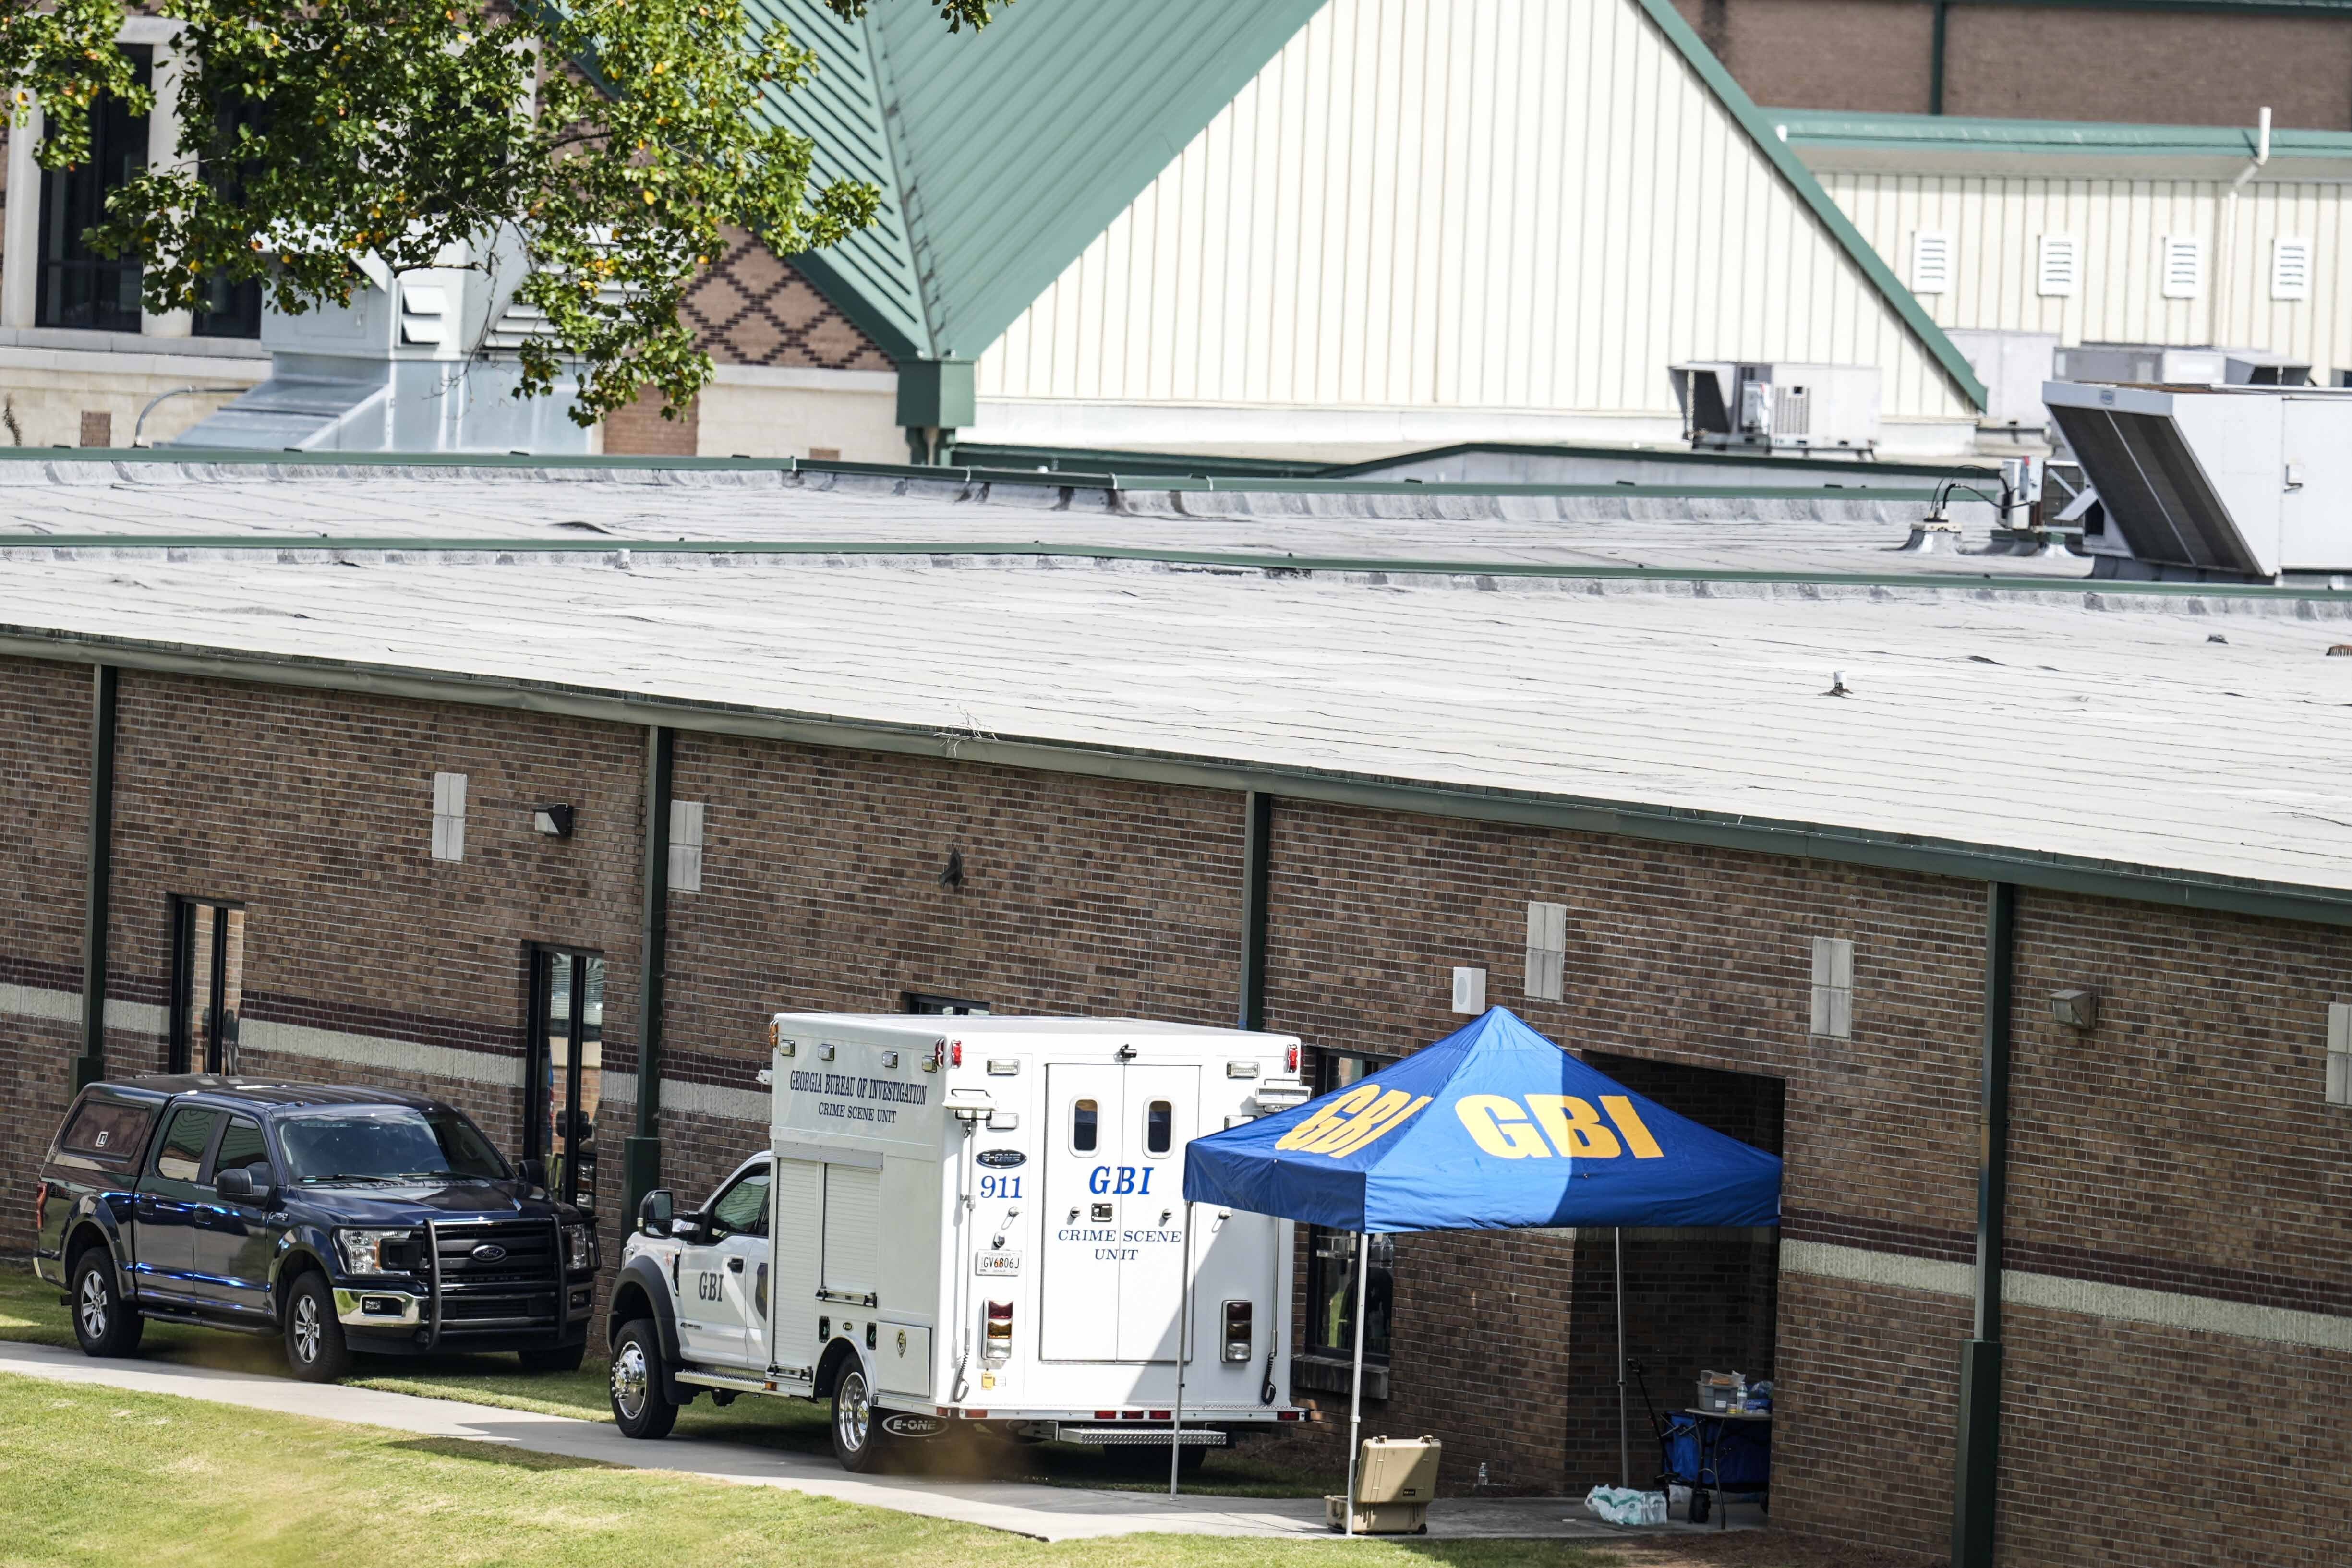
[1338, 1111]
[1575, 1129]
[1500, 1127]
[1392, 1110]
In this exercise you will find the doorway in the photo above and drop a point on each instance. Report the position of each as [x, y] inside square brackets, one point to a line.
[566, 1072]
[207, 985]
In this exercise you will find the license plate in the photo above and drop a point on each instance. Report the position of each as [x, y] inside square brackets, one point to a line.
[996, 1263]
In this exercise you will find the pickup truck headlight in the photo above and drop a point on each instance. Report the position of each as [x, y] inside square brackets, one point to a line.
[378, 1251]
[579, 1248]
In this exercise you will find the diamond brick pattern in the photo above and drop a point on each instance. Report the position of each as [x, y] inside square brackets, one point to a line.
[754, 309]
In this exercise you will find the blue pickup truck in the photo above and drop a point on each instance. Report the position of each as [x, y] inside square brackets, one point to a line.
[341, 1219]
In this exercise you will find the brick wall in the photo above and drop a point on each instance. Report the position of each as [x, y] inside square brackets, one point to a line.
[2182, 1147]
[2162, 65]
[643, 430]
[754, 309]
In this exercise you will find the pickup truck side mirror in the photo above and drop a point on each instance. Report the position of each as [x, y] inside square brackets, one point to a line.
[533, 1173]
[242, 1183]
[653, 1212]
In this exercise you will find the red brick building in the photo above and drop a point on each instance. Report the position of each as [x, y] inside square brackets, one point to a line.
[1301, 795]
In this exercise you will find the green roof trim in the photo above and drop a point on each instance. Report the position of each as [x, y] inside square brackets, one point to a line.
[1000, 155]
[1759, 129]
[1826, 128]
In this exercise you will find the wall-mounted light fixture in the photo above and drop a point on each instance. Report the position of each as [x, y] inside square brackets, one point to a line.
[555, 821]
[2076, 1009]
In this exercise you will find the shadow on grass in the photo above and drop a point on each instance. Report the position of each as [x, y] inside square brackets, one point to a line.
[477, 1452]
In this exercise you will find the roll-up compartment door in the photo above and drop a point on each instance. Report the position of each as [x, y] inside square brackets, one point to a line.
[853, 1223]
[797, 1228]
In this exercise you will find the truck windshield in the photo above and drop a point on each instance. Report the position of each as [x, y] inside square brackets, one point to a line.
[386, 1144]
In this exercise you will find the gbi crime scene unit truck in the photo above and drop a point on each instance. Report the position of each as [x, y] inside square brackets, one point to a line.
[975, 1223]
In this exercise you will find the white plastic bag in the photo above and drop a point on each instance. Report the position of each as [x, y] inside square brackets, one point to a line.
[1623, 1505]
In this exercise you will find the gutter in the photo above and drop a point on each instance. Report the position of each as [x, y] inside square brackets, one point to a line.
[1880, 849]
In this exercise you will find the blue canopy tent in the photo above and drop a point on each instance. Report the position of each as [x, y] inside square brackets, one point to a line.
[1492, 1128]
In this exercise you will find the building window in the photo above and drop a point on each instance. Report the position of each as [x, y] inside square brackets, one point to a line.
[1547, 952]
[2058, 267]
[78, 286]
[2182, 273]
[1834, 986]
[2339, 1053]
[2290, 268]
[1931, 261]
[685, 847]
[1331, 1294]
[232, 310]
[925, 1002]
[448, 817]
[207, 985]
[566, 1070]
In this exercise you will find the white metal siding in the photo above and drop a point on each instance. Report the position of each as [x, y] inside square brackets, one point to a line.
[853, 1223]
[2119, 225]
[1520, 205]
[799, 1187]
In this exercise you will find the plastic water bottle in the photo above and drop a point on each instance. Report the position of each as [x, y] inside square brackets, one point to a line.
[1740, 1393]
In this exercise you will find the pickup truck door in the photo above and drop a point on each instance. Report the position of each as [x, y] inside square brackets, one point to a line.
[163, 1225]
[232, 1236]
[720, 1282]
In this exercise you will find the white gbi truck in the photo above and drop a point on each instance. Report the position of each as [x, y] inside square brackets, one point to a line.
[975, 1223]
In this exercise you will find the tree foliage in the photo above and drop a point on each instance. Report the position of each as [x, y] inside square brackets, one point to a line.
[597, 152]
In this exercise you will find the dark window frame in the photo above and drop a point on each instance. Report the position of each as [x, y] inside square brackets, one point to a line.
[541, 1141]
[221, 1021]
[931, 1003]
[77, 196]
[1323, 1244]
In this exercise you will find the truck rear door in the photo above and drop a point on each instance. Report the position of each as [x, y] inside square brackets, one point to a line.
[1114, 1250]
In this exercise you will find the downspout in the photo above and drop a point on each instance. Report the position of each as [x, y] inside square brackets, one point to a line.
[1258, 833]
[1936, 58]
[2225, 227]
[641, 1156]
[1976, 1485]
[91, 1065]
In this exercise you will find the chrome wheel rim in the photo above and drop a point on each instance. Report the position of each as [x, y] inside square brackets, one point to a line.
[852, 1414]
[629, 1381]
[92, 1307]
[306, 1327]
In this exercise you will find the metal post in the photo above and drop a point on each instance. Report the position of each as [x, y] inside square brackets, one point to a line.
[98, 880]
[641, 1156]
[1624, 1455]
[1258, 833]
[1936, 58]
[1356, 1390]
[1183, 1323]
[1976, 1485]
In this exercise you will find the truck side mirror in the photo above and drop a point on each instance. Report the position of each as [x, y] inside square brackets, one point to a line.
[653, 1212]
[236, 1183]
[533, 1173]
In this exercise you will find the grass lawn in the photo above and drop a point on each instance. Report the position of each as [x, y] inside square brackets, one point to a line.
[135, 1478]
[1272, 1467]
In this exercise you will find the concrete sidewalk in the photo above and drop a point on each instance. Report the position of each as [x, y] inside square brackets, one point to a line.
[1046, 1513]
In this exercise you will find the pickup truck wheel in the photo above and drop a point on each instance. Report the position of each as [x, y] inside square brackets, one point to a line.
[561, 1358]
[315, 1346]
[640, 1403]
[103, 1324]
[857, 1436]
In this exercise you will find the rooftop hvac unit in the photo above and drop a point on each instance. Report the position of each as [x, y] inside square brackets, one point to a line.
[2228, 484]
[2162, 364]
[1797, 408]
[2013, 366]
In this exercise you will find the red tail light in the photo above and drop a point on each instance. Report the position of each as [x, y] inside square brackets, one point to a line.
[1288, 1414]
[1163, 1415]
[998, 1348]
[1290, 1059]
[1105, 1415]
[1237, 1330]
[40, 1203]
[955, 1054]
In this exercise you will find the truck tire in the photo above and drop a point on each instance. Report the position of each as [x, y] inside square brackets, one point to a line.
[556, 1358]
[104, 1324]
[640, 1384]
[315, 1346]
[859, 1439]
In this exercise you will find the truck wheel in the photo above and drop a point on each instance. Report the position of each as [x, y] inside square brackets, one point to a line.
[640, 1403]
[103, 1324]
[556, 1358]
[857, 1436]
[315, 1346]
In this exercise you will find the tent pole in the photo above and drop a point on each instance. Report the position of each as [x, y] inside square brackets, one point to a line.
[1183, 1323]
[1356, 1390]
[1625, 1463]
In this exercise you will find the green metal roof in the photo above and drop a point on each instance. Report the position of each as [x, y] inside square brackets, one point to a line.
[1002, 154]
[1824, 128]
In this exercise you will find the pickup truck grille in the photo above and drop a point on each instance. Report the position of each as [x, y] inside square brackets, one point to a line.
[521, 1287]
